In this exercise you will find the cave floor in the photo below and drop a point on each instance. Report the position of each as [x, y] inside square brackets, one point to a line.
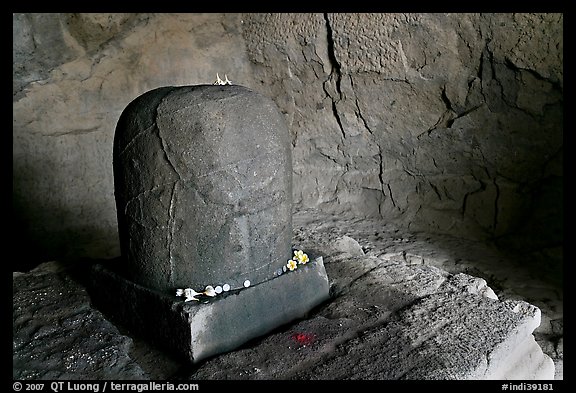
[399, 299]
[511, 277]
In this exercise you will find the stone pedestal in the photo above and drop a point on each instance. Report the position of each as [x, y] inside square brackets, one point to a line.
[197, 330]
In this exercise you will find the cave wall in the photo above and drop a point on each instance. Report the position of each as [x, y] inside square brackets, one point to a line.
[448, 123]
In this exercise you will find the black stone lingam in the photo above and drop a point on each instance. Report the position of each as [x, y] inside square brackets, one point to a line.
[203, 186]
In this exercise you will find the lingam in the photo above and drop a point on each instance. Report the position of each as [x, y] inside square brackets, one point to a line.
[203, 188]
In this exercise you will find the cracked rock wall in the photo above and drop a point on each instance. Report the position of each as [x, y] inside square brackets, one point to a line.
[449, 123]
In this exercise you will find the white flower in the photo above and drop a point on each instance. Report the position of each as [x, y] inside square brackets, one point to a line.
[301, 257]
[221, 82]
[291, 265]
[191, 294]
[209, 291]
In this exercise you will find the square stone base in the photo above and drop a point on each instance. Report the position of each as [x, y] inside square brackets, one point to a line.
[197, 330]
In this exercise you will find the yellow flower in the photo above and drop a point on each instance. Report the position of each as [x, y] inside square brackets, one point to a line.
[301, 257]
[291, 264]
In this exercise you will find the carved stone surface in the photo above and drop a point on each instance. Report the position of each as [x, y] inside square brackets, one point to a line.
[203, 186]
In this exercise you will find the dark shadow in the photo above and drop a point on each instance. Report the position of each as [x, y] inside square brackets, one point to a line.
[44, 231]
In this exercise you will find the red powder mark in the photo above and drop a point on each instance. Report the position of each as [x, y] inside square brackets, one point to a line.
[303, 338]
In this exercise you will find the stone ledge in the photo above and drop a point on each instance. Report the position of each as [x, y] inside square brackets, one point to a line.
[194, 331]
[450, 331]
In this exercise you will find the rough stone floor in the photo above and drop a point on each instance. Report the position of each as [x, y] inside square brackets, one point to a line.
[511, 277]
[404, 306]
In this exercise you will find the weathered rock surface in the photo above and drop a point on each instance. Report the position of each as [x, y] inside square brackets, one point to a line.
[441, 336]
[203, 184]
[459, 134]
[389, 317]
[58, 334]
[511, 276]
[390, 320]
